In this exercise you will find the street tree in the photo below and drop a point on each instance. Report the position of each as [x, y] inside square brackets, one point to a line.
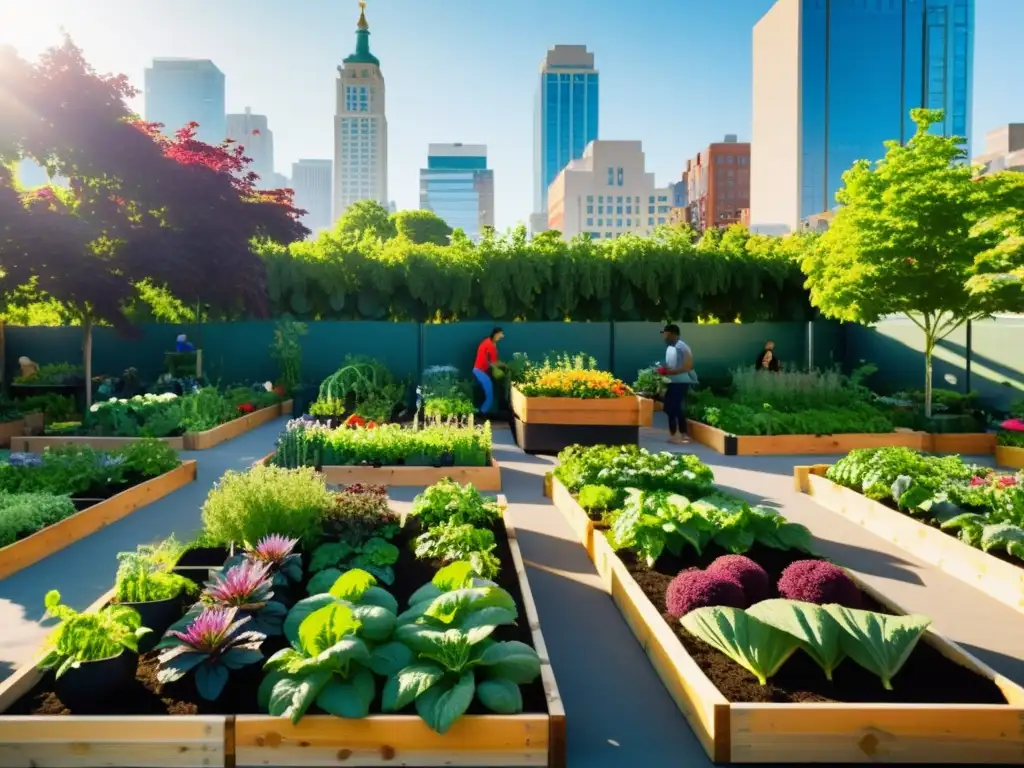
[422, 227]
[363, 218]
[904, 240]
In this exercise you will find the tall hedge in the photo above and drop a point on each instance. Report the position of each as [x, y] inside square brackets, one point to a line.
[730, 276]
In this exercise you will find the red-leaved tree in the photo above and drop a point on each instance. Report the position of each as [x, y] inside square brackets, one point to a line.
[176, 212]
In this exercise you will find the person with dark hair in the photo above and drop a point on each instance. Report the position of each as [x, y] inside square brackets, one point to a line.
[486, 358]
[766, 360]
[678, 371]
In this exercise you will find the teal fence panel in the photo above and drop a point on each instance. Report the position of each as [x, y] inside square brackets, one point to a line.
[828, 344]
[456, 343]
[716, 348]
[997, 360]
[325, 345]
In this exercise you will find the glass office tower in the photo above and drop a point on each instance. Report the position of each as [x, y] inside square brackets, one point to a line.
[835, 79]
[181, 91]
[565, 115]
[458, 186]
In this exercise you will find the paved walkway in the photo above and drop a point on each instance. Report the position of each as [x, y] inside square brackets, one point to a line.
[618, 713]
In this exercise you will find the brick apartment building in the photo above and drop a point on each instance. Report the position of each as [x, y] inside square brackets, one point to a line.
[718, 184]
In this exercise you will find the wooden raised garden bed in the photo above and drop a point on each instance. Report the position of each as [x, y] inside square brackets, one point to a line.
[549, 424]
[832, 732]
[30, 422]
[1008, 456]
[779, 445]
[483, 478]
[192, 441]
[56, 537]
[999, 579]
[134, 741]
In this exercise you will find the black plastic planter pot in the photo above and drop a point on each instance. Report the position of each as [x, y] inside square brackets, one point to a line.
[158, 616]
[204, 557]
[94, 681]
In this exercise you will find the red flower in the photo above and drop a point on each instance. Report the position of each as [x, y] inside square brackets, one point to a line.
[1013, 425]
[355, 420]
[976, 481]
[1007, 481]
[371, 425]
[246, 408]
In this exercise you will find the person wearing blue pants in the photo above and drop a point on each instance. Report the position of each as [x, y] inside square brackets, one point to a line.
[487, 356]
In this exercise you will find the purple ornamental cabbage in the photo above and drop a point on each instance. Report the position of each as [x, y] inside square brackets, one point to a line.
[694, 588]
[246, 586]
[210, 647]
[819, 582]
[751, 576]
[276, 551]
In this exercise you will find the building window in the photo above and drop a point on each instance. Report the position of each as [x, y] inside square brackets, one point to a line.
[600, 222]
[619, 176]
[600, 198]
[661, 220]
[590, 209]
[607, 235]
[651, 200]
[600, 209]
[618, 222]
[651, 221]
[629, 222]
[650, 208]
[611, 177]
[662, 199]
[590, 198]
[590, 222]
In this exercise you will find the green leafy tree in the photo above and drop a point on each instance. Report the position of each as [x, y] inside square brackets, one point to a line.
[904, 242]
[998, 272]
[422, 227]
[365, 217]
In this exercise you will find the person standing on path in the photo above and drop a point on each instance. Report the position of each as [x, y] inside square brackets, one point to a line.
[678, 369]
[486, 358]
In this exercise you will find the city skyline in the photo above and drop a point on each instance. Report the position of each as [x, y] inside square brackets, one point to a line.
[488, 81]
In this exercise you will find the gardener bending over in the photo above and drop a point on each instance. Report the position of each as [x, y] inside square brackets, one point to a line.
[678, 370]
[486, 357]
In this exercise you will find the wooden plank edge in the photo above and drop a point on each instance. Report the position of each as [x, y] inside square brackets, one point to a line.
[39, 443]
[50, 540]
[1010, 456]
[999, 579]
[210, 438]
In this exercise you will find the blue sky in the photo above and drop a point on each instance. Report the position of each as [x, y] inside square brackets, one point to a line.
[674, 73]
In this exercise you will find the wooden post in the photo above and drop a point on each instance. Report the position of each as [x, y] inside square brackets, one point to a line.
[87, 357]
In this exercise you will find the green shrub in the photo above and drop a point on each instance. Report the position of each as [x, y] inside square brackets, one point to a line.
[246, 506]
[22, 514]
[148, 458]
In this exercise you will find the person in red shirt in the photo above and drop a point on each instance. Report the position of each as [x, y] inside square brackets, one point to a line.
[486, 358]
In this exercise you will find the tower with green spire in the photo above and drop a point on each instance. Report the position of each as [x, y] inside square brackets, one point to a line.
[362, 53]
[360, 126]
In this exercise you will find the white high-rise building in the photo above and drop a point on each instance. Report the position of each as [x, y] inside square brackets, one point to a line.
[360, 127]
[253, 133]
[607, 192]
[311, 180]
[183, 91]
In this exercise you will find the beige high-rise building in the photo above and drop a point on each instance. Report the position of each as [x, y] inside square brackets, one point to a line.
[1004, 149]
[607, 192]
[360, 127]
[254, 134]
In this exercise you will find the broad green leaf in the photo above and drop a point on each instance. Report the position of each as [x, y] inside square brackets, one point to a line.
[387, 659]
[878, 642]
[457, 575]
[291, 697]
[1003, 536]
[348, 698]
[286, 659]
[408, 683]
[380, 597]
[266, 689]
[415, 612]
[501, 696]
[811, 624]
[377, 623]
[450, 606]
[419, 638]
[513, 661]
[322, 582]
[442, 704]
[342, 654]
[757, 647]
[425, 594]
[493, 617]
[325, 627]
[301, 611]
[210, 680]
[352, 584]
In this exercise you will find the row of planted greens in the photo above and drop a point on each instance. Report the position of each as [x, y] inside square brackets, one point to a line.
[316, 602]
[763, 617]
[40, 490]
[981, 506]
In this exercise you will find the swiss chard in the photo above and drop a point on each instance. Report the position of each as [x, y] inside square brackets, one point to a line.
[447, 642]
[327, 664]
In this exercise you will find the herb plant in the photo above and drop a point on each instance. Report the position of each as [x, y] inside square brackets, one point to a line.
[450, 502]
[145, 576]
[212, 645]
[622, 467]
[84, 637]
[374, 555]
[22, 514]
[449, 542]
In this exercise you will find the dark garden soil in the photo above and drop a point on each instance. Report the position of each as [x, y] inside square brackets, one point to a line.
[146, 696]
[928, 677]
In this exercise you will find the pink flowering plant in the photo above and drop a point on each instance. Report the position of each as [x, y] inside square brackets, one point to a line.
[215, 643]
[248, 587]
[277, 552]
[1011, 433]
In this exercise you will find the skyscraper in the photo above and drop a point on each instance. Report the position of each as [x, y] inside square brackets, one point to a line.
[360, 127]
[565, 119]
[252, 132]
[311, 180]
[458, 187]
[834, 79]
[182, 91]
